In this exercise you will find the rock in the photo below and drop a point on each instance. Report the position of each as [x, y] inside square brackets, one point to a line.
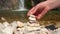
[20, 24]
[57, 31]
[2, 18]
[44, 31]
[20, 30]
[5, 24]
[1, 28]
[14, 24]
[32, 17]
[8, 29]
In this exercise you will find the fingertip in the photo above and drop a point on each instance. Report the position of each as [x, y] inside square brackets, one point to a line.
[27, 14]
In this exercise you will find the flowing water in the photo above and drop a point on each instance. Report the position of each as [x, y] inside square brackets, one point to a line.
[21, 6]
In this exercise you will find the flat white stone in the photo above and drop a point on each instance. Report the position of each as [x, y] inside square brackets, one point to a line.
[32, 17]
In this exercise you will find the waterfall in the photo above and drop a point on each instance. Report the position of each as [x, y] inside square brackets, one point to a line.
[21, 6]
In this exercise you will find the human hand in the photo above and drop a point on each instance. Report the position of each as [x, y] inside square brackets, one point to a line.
[42, 8]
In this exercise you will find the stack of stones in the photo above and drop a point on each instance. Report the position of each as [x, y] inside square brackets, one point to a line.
[33, 27]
